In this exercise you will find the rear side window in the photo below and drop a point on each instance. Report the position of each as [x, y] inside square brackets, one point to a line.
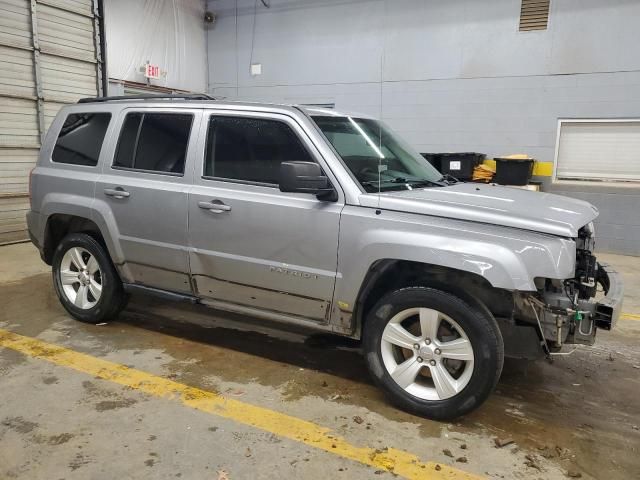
[154, 142]
[80, 139]
[250, 149]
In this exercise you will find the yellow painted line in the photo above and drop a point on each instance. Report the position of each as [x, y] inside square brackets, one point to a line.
[399, 462]
[630, 316]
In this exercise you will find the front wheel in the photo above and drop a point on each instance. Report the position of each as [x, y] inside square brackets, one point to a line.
[433, 353]
[85, 280]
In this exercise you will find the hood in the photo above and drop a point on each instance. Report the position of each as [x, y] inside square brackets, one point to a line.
[493, 204]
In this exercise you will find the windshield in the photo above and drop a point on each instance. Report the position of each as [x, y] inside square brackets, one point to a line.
[377, 157]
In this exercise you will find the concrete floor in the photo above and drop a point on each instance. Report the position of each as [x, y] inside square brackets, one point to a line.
[580, 414]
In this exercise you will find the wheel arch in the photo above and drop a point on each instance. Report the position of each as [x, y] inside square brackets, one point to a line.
[85, 215]
[59, 225]
[386, 275]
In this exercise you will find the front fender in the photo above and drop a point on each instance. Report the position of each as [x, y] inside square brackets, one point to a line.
[507, 258]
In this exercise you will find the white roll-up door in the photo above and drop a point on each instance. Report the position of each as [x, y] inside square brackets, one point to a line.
[598, 149]
[49, 56]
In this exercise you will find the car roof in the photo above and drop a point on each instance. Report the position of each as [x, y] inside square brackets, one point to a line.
[203, 101]
[330, 112]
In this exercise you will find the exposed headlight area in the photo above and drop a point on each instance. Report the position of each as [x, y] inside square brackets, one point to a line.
[566, 311]
[586, 237]
[591, 228]
[583, 285]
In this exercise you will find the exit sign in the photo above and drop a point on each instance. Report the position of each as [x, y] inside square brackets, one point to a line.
[151, 71]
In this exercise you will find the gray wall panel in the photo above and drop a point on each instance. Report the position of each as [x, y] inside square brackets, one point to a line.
[449, 76]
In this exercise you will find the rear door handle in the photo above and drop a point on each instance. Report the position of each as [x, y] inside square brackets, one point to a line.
[117, 192]
[215, 206]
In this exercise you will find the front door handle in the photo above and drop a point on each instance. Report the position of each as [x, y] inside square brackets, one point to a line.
[215, 206]
[117, 192]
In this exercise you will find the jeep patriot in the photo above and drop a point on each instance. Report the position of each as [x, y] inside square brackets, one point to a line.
[324, 219]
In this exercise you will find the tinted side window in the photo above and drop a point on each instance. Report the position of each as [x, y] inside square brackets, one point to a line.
[127, 141]
[250, 149]
[154, 142]
[80, 139]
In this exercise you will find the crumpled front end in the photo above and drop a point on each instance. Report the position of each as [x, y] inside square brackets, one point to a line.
[570, 311]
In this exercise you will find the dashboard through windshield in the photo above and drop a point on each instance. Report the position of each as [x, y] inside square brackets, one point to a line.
[376, 156]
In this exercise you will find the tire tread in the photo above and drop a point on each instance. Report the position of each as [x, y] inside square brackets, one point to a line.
[114, 295]
[465, 401]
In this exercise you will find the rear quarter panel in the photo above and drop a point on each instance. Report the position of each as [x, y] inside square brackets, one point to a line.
[60, 188]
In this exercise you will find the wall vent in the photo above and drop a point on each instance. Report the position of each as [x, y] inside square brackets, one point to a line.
[534, 15]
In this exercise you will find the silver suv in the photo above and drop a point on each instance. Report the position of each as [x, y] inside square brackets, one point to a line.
[318, 218]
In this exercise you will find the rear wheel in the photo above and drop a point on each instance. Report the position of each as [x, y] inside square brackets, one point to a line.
[85, 280]
[433, 353]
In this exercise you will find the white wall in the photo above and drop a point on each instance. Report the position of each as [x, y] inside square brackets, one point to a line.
[168, 33]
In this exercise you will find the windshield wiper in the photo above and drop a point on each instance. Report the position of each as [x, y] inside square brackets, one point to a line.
[448, 179]
[433, 183]
[404, 181]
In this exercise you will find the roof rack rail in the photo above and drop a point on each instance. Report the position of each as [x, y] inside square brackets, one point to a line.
[168, 96]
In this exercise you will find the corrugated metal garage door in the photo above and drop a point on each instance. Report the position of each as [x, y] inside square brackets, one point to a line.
[49, 55]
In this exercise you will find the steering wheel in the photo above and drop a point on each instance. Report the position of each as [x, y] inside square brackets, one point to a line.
[366, 170]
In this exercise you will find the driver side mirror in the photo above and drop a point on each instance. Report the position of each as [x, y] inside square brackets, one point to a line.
[306, 177]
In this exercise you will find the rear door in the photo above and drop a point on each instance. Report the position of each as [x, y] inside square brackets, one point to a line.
[252, 245]
[145, 189]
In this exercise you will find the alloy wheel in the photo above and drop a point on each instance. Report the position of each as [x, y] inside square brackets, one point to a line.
[81, 278]
[427, 353]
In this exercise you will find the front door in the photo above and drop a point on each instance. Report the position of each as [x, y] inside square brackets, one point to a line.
[145, 189]
[252, 245]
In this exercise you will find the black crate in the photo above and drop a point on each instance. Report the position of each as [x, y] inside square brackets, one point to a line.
[460, 165]
[511, 171]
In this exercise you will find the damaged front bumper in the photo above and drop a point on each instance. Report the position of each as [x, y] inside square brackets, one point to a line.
[564, 319]
[609, 308]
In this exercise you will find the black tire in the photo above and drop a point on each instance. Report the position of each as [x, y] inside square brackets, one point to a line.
[478, 324]
[112, 299]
